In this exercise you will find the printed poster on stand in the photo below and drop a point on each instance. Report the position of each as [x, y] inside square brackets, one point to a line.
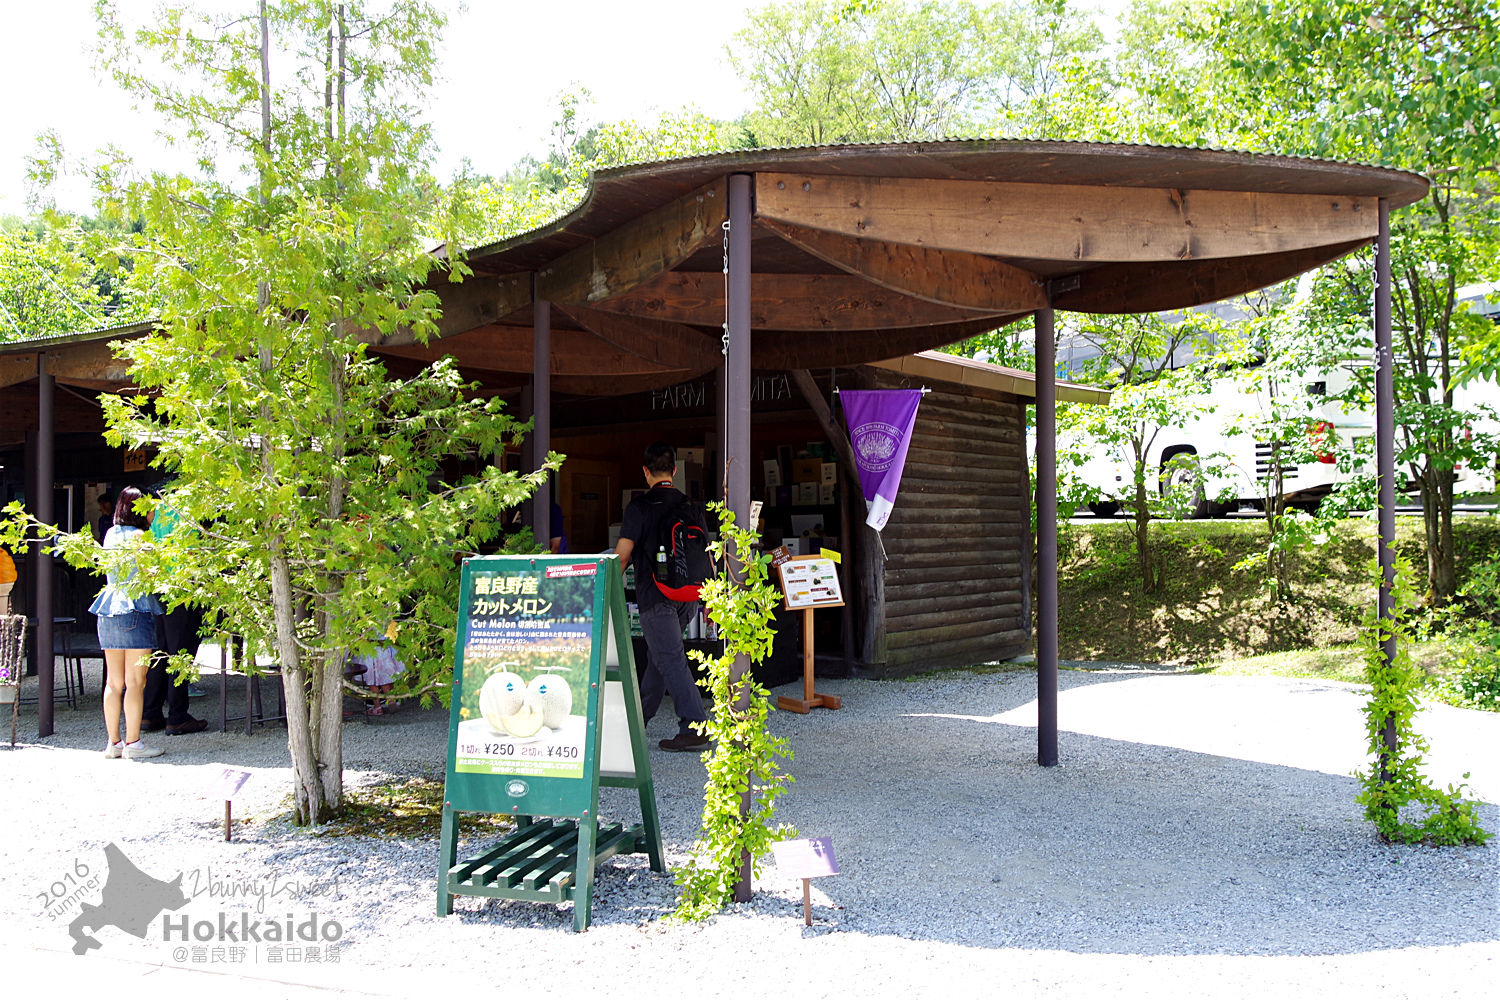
[524, 686]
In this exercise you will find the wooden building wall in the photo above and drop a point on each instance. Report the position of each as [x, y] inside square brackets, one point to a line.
[957, 542]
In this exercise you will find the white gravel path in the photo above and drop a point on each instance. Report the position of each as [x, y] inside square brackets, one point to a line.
[1200, 839]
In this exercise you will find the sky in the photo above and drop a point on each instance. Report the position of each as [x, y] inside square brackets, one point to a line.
[503, 61]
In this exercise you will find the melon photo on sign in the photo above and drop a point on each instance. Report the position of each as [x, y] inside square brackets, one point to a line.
[503, 695]
[553, 696]
[525, 722]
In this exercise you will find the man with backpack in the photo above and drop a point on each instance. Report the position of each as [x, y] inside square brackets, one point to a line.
[657, 527]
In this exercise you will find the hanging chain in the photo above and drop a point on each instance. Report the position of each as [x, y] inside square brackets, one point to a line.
[724, 349]
[725, 340]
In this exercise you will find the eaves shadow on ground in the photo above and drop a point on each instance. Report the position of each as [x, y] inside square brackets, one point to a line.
[945, 829]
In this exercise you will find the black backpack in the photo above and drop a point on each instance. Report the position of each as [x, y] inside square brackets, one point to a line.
[678, 551]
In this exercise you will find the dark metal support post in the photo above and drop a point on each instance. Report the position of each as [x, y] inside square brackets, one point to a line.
[541, 409]
[721, 388]
[41, 506]
[1385, 454]
[1046, 541]
[737, 412]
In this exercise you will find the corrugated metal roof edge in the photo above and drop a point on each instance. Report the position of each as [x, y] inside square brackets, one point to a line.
[920, 145]
[65, 339]
[606, 173]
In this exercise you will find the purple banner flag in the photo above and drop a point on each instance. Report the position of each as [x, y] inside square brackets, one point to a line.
[880, 423]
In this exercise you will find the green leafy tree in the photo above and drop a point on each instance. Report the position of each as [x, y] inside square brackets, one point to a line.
[1395, 82]
[534, 192]
[1011, 346]
[52, 282]
[1045, 56]
[1268, 362]
[828, 71]
[321, 501]
[1434, 435]
[1135, 358]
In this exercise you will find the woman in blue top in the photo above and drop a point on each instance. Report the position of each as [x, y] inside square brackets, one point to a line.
[127, 634]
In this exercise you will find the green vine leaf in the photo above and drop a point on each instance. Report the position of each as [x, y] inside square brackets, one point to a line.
[1404, 806]
[744, 759]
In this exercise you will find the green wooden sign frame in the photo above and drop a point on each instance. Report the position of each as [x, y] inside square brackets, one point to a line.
[510, 622]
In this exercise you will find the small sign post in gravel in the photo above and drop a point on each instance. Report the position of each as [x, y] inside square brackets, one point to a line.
[231, 780]
[807, 860]
[809, 582]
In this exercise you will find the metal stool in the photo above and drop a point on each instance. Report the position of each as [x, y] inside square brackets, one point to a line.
[76, 649]
[72, 661]
[62, 646]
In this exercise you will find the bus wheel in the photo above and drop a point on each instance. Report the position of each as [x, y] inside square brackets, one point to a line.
[1179, 471]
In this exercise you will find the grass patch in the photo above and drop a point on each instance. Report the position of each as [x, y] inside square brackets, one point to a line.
[401, 808]
[1338, 663]
[1207, 612]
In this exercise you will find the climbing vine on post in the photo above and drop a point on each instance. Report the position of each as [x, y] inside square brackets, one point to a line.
[1402, 804]
[744, 758]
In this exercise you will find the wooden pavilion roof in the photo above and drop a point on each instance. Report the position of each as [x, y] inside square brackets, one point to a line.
[861, 254]
[871, 252]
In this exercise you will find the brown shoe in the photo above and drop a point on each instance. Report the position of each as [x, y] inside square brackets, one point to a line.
[684, 742]
[190, 726]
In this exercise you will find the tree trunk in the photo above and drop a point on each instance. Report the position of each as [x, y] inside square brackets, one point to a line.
[316, 791]
[1437, 524]
[311, 802]
[1143, 554]
[1275, 494]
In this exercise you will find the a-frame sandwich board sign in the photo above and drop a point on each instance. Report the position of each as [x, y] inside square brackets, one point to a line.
[544, 710]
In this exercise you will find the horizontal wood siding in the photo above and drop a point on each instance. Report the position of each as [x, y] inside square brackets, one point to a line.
[955, 542]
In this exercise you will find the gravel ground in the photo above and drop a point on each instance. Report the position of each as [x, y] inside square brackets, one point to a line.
[1199, 839]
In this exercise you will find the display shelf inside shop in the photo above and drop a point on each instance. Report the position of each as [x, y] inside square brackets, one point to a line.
[783, 666]
[801, 497]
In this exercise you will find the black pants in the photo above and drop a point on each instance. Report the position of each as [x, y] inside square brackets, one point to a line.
[176, 631]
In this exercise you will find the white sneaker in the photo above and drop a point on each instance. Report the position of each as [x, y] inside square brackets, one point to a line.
[140, 751]
[113, 750]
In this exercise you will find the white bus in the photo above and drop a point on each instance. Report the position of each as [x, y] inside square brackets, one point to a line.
[1239, 471]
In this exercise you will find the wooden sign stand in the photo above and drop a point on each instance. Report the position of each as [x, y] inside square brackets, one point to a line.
[806, 601]
[810, 699]
[558, 840]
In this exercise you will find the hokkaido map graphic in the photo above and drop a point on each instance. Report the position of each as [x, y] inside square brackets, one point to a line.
[130, 901]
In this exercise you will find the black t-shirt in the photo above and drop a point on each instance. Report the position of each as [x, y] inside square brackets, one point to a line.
[639, 524]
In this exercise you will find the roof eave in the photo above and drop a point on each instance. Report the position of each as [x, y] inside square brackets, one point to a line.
[983, 375]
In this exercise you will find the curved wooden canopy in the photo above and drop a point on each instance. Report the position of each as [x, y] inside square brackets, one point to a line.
[862, 253]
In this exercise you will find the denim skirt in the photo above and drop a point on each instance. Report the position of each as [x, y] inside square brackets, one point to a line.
[132, 630]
